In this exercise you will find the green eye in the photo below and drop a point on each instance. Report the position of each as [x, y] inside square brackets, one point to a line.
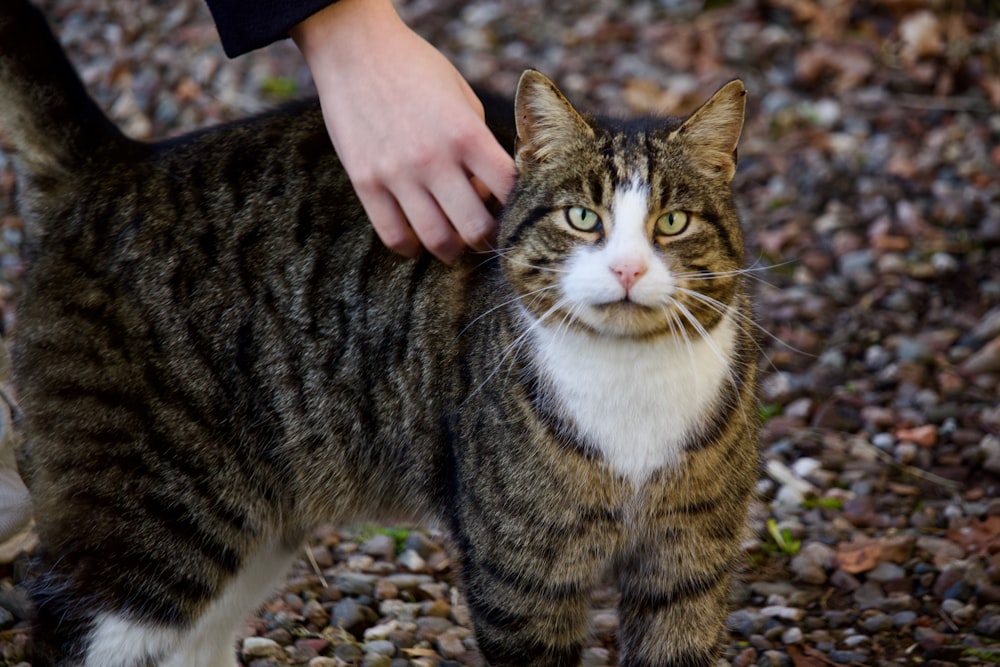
[672, 224]
[583, 219]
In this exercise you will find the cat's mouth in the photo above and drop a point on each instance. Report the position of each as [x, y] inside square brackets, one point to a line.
[626, 317]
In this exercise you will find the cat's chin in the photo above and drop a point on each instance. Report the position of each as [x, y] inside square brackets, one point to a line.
[625, 319]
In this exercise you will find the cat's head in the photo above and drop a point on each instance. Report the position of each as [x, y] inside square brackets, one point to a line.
[624, 228]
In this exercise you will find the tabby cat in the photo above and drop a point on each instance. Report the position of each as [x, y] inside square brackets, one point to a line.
[215, 355]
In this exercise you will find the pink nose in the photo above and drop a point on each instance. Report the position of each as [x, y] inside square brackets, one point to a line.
[628, 272]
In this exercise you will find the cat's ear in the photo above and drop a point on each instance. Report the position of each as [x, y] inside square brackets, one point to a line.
[714, 130]
[546, 121]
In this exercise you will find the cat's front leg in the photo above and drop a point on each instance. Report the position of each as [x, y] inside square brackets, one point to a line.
[529, 590]
[674, 596]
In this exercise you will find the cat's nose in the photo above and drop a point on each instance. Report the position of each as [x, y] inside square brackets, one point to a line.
[629, 271]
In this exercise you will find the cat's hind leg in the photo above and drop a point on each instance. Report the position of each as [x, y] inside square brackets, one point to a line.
[83, 637]
[210, 642]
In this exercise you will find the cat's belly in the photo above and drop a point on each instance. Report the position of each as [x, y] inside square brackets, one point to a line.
[636, 403]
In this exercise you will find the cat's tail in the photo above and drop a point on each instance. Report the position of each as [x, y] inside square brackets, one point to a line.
[46, 115]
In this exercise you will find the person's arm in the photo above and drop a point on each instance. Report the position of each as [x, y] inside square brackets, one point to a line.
[407, 127]
[245, 25]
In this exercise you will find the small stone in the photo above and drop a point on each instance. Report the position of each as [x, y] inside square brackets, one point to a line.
[791, 636]
[409, 583]
[877, 623]
[385, 590]
[423, 545]
[412, 561]
[848, 657]
[812, 561]
[353, 617]
[941, 550]
[903, 618]
[349, 653]
[261, 647]
[355, 583]
[989, 625]
[449, 643]
[746, 658]
[784, 613]
[314, 612]
[380, 646]
[774, 658]
[323, 662]
[376, 660]
[429, 627]
[844, 580]
[438, 608]
[746, 623]
[379, 545]
[884, 572]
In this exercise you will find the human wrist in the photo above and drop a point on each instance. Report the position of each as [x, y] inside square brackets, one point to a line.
[342, 30]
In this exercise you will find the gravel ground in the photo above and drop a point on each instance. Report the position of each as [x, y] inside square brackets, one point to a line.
[870, 187]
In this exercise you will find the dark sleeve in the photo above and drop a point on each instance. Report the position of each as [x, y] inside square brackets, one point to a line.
[245, 25]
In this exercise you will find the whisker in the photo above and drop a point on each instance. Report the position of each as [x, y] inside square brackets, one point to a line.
[515, 345]
[516, 298]
[722, 309]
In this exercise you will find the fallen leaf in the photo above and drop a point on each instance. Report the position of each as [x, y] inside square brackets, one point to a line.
[805, 656]
[978, 536]
[854, 558]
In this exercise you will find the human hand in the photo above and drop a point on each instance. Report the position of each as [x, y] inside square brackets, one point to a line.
[407, 127]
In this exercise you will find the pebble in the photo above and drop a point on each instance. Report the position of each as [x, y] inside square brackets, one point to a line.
[324, 662]
[412, 561]
[379, 545]
[355, 583]
[810, 565]
[848, 657]
[784, 613]
[261, 647]
[380, 646]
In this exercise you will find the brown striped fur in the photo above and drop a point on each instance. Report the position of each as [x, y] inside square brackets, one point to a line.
[215, 353]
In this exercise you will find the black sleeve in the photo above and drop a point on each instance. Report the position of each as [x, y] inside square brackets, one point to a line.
[245, 25]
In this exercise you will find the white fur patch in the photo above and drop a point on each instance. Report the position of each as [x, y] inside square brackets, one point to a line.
[119, 642]
[635, 402]
[592, 277]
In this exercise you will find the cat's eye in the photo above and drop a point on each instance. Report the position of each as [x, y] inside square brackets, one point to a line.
[672, 224]
[583, 219]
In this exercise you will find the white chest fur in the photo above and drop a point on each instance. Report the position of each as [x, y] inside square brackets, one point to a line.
[634, 402]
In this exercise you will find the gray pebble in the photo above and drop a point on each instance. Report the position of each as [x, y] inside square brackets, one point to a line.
[380, 646]
[884, 572]
[774, 659]
[746, 622]
[878, 623]
[379, 546]
[989, 625]
[848, 657]
[355, 583]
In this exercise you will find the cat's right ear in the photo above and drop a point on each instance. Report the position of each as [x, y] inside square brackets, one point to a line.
[546, 122]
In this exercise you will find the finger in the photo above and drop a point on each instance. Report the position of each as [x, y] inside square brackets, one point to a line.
[462, 204]
[431, 225]
[389, 222]
[491, 164]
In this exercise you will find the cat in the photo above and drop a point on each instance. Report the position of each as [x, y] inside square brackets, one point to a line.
[215, 354]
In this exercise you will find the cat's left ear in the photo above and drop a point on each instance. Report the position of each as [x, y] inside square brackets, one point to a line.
[714, 130]
[547, 124]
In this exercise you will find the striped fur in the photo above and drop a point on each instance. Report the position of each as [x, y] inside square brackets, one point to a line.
[215, 355]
